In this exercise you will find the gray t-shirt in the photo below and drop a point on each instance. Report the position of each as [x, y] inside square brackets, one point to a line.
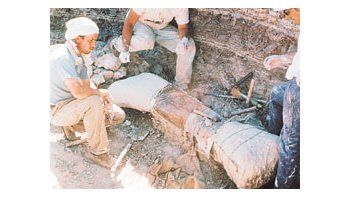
[62, 66]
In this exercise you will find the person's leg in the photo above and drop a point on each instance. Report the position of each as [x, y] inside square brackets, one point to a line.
[118, 117]
[289, 146]
[91, 111]
[69, 131]
[168, 37]
[276, 107]
[142, 39]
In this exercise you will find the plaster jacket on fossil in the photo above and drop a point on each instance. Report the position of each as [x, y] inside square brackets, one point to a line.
[248, 154]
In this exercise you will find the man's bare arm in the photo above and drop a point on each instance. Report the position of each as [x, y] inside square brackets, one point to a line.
[81, 89]
[129, 24]
[183, 31]
[279, 61]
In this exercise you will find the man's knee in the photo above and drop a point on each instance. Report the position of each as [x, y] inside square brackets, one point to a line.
[146, 42]
[137, 43]
[277, 91]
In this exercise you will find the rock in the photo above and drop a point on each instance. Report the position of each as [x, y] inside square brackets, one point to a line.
[226, 113]
[156, 161]
[177, 173]
[160, 183]
[107, 74]
[97, 70]
[97, 79]
[189, 163]
[151, 178]
[167, 165]
[127, 123]
[157, 69]
[108, 61]
[192, 182]
[171, 182]
[120, 73]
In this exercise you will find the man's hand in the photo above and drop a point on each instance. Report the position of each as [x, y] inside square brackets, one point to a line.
[182, 46]
[278, 61]
[107, 104]
[129, 23]
[124, 57]
[106, 96]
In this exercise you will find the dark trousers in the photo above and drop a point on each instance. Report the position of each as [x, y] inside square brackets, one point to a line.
[285, 121]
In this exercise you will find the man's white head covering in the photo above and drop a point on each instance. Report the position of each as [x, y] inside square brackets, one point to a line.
[80, 26]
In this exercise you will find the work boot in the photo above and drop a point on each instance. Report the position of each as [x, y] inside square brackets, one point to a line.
[105, 160]
[69, 134]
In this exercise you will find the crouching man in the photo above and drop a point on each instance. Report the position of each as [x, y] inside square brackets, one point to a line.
[76, 104]
[143, 27]
[284, 116]
[284, 120]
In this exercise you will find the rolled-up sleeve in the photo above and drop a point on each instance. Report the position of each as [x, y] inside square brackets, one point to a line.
[182, 16]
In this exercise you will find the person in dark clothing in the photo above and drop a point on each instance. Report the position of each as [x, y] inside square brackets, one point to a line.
[284, 120]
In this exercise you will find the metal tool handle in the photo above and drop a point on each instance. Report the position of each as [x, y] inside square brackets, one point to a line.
[247, 76]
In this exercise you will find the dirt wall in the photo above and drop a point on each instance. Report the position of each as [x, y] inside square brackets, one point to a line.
[230, 42]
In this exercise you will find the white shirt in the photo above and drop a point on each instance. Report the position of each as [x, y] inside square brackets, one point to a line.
[158, 18]
[294, 69]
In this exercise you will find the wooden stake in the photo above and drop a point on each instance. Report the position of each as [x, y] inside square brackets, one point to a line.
[250, 92]
[119, 159]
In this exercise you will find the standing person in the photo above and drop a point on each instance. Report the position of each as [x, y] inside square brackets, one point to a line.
[145, 26]
[75, 101]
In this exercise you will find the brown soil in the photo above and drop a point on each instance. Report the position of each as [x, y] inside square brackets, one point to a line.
[71, 169]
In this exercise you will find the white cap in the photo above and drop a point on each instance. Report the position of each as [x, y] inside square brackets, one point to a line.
[80, 26]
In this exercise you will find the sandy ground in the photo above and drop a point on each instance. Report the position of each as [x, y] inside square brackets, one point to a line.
[70, 169]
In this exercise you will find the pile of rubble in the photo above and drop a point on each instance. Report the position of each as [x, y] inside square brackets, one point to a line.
[177, 173]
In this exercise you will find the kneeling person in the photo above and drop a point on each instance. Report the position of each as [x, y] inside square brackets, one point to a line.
[284, 120]
[145, 26]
